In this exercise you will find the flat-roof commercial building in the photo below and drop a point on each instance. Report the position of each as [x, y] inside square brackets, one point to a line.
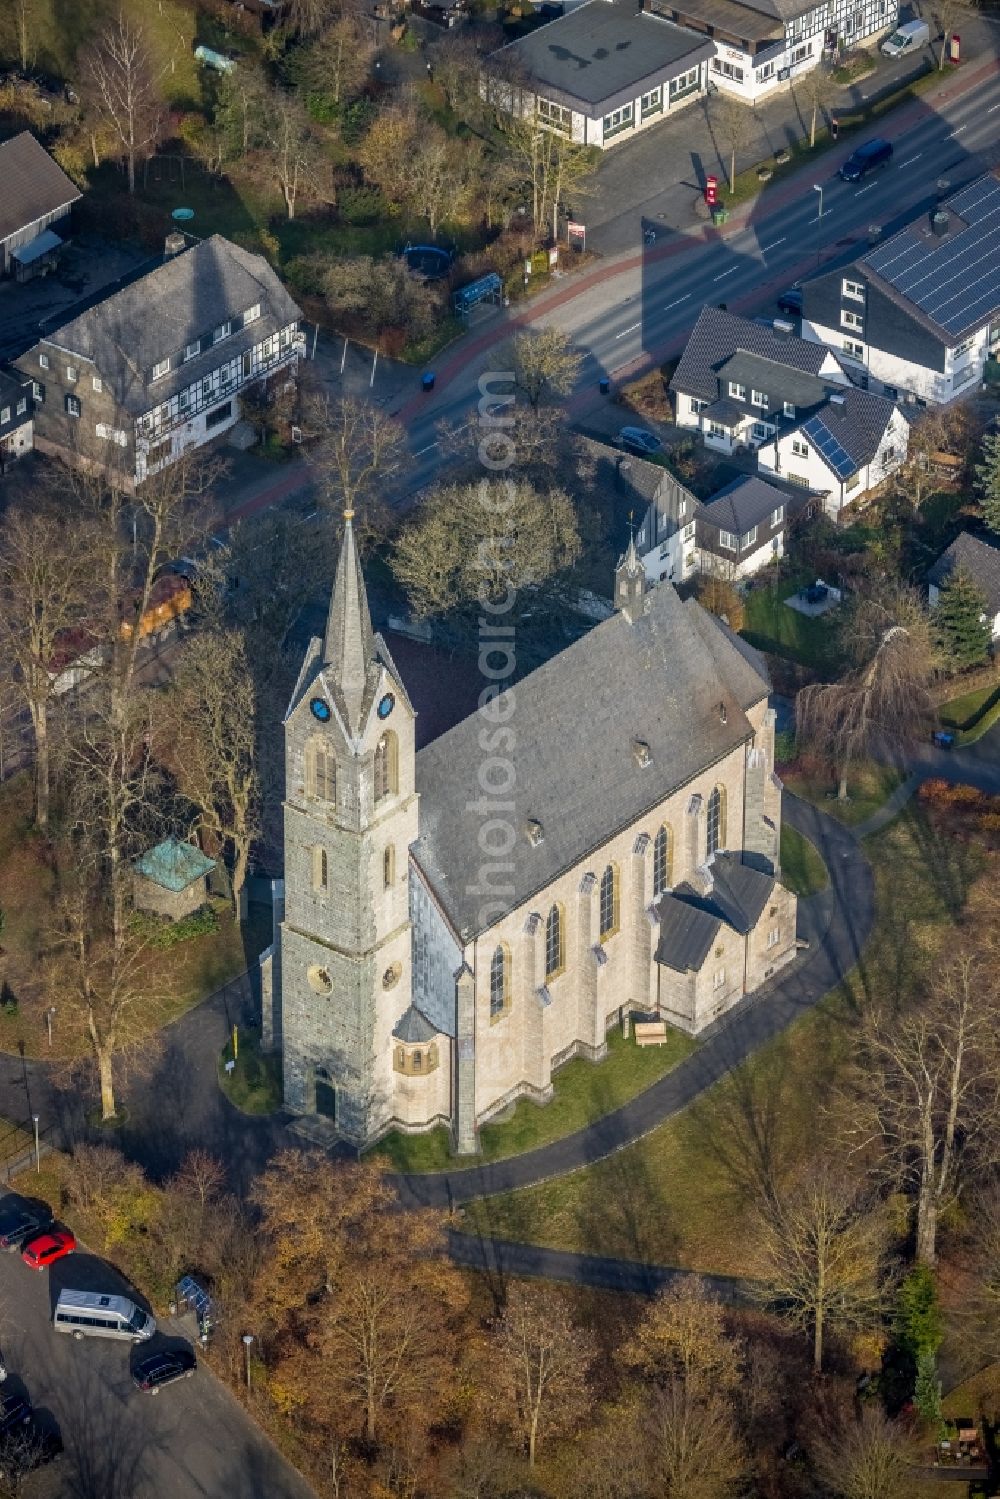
[604, 71]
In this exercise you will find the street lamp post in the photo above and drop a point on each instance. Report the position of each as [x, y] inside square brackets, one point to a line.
[247, 1340]
[38, 1154]
[818, 189]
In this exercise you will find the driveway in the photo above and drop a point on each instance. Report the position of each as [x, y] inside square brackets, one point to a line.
[190, 1441]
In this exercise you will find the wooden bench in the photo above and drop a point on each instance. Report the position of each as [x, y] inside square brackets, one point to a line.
[650, 1032]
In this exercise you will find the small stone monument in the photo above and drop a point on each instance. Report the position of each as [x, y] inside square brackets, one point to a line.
[171, 880]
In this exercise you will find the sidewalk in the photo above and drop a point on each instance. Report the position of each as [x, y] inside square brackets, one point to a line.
[631, 193]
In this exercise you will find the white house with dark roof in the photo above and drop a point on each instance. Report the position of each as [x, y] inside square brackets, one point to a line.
[765, 45]
[742, 529]
[600, 73]
[659, 508]
[36, 198]
[979, 558]
[843, 450]
[158, 368]
[920, 313]
[16, 415]
[739, 384]
[459, 922]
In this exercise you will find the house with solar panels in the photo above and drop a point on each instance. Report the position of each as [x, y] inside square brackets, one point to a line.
[739, 384]
[843, 450]
[918, 315]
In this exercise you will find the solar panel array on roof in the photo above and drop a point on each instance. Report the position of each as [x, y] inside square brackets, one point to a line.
[954, 279]
[825, 443]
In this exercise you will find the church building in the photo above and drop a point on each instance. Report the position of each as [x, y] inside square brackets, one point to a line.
[599, 840]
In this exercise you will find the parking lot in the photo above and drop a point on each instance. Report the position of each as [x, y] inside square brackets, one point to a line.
[192, 1439]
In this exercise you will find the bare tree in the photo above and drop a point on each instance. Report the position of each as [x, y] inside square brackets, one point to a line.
[212, 729]
[544, 362]
[816, 88]
[694, 1446]
[358, 450]
[22, 24]
[822, 1247]
[938, 430]
[127, 90]
[286, 139]
[309, 17]
[45, 592]
[337, 63]
[540, 1362]
[928, 1089]
[735, 123]
[885, 699]
[864, 1457]
[552, 166]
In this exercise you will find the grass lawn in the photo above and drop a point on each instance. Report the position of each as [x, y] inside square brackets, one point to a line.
[771, 626]
[971, 714]
[178, 977]
[584, 1091]
[802, 869]
[868, 787]
[674, 1197]
[254, 1085]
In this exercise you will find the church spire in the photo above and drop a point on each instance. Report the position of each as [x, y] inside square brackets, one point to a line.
[348, 646]
[630, 583]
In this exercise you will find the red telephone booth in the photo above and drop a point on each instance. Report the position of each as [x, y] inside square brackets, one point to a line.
[955, 48]
[711, 191]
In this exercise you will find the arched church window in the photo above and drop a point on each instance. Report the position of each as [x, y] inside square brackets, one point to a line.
[609, 902]
[716, 832]
[320, 869]
[321, 771]
[663, 860]
[386, 766]
[555, 943]
[499, 981]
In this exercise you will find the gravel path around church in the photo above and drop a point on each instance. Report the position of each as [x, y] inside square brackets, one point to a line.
[837, 923]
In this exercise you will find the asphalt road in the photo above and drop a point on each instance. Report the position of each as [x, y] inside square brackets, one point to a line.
[641, 308]
[190, 1441]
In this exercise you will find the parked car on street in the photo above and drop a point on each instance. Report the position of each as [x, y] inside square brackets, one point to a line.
[873, 154]
[18, 1223]
[790, 301]
[44, 1249]
[909, 37]
[163, 1368]
[639, 440]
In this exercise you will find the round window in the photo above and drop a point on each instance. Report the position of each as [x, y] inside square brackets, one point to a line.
[392, 975]
[319, 980]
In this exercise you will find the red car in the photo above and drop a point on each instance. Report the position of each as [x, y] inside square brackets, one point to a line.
[45, 1248]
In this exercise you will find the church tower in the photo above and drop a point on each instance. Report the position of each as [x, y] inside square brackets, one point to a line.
[350, 814]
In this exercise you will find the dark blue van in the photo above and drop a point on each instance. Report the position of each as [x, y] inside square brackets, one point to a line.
[876, 153]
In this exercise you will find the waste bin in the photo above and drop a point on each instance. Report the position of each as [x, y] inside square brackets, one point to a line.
[427, 381]
[720, 215]
[605, 387]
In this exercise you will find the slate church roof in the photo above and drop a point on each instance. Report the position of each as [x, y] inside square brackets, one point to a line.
[676, 681]
[690, 922]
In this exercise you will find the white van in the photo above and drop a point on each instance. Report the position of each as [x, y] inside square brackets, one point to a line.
[909, 37]
[89, 1314]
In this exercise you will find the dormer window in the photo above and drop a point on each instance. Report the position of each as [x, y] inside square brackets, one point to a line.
[789, 410]
[161, 369]
[535, 832]
[252, 314]
[221, 332]
[641, 753]
[191, 351]
[759, 398]
[737, 391]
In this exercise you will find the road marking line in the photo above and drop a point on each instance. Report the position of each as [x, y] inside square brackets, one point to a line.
[765, 248]
[626, 331]
[865, 189]
[960, 129]
[732, 271]
[993, 109]
[420, 453]
[909, 162]
[686, 298]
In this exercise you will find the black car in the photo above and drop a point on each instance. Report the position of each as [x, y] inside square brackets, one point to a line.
[17, 1223]
[791, 301]
[163, 1368]
[873, 154]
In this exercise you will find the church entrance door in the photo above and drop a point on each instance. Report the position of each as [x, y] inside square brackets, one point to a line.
[326, 1098]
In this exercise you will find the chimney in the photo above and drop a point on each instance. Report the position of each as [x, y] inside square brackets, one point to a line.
[836, 400]
[939, 222]
[173, 245]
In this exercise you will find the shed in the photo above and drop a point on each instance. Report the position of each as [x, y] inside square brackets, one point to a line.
[172, 879]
